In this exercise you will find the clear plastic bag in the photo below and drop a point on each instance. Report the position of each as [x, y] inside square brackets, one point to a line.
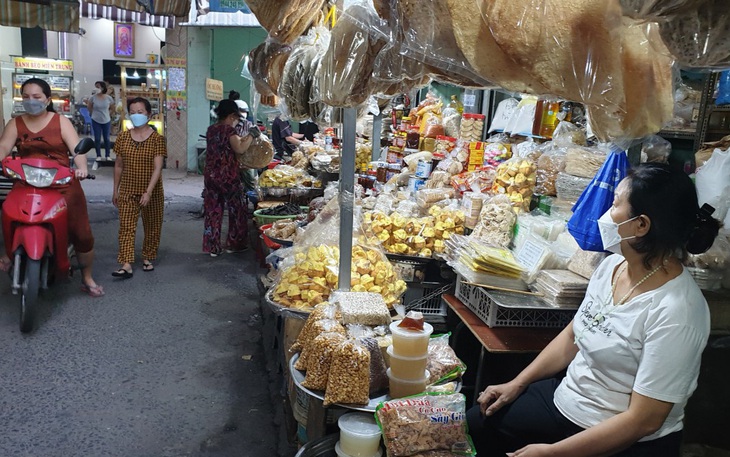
[657, 10]
[318, 327]
[656, 149]
[321, 311]
[516, 179]
[320, 357]
[698, 37]
[345, 75]
[443, 364]
[496, 222]
[549, 165]
[349, 376]
[584, 162]
[266, 65]
[286, 20]
[569, 187]
[285, 176]
[296, 88]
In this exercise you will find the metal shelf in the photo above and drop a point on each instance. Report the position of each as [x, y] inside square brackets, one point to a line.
[678, 134]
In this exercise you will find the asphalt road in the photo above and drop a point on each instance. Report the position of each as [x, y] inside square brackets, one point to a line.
[169, 363]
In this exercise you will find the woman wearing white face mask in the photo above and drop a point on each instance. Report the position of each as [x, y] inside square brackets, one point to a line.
[100, 106]
[141, 152]
[43, 133]
[633, 350]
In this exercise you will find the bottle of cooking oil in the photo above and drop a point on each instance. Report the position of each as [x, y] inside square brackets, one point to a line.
[456, 104]
[549, 118]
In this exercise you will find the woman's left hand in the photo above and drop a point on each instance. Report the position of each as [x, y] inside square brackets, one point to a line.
[81, 174]
[145, 199]
[533, 450]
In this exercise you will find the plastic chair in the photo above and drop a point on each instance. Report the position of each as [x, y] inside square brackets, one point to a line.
[84, 111]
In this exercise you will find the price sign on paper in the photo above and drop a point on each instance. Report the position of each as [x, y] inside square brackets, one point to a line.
[530, 254]
[470, 100]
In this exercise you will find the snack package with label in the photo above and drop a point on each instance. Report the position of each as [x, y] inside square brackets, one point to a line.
[516, 179]
[425, 423]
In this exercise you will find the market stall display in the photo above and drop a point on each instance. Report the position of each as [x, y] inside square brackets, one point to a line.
[495, 206]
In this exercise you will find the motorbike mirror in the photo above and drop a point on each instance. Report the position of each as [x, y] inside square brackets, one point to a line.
[84, 146]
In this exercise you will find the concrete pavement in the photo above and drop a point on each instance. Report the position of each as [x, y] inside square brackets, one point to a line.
[167, 364]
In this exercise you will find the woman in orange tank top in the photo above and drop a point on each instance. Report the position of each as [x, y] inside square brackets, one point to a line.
[41, 132]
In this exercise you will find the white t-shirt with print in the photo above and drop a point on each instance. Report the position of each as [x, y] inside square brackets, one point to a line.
[652, 344]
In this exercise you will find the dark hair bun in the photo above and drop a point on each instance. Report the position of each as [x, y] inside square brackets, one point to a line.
[704, 234]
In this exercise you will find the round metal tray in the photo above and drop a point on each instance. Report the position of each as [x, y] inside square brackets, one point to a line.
[298, 377]
[281, 309]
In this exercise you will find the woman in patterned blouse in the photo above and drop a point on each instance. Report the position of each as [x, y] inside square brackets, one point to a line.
[141, 152]
[223, 185]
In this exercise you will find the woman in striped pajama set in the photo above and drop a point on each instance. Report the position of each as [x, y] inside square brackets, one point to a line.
[138, 189]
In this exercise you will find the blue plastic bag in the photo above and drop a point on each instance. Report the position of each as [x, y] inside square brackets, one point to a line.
[723, 89]
[596, 199]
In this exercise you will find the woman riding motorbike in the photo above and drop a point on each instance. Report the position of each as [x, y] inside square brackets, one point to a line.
[41, 132]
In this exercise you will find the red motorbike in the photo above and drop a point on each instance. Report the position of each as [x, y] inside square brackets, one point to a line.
[35, 227]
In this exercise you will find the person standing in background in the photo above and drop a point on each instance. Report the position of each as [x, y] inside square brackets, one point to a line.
[223, 185]
[140, 152]
[308, 129]
[285, 141]
[100, 106]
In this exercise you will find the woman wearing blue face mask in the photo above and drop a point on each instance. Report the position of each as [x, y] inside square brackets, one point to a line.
[141, 152]
[632, 353]
[41, 132]
[100, 106]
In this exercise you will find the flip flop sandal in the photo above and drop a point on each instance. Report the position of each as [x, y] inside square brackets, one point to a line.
[96, 291]
[5, 265]
[147, 267]
[122, 273]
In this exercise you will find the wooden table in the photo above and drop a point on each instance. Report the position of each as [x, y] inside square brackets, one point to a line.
[498, 340]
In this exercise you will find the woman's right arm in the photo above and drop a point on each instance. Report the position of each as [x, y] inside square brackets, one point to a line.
[8, 138]
[554, 358]
[90, 103]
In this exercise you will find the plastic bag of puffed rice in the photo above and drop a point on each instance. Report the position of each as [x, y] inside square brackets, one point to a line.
[425, 423]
